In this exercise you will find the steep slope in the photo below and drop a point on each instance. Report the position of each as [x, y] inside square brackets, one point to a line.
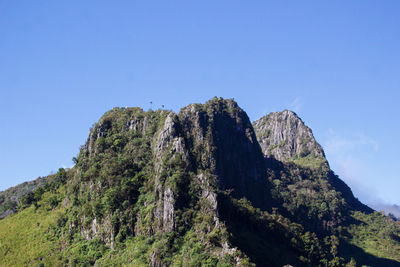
[153, 178]
[390, 210]
[307, 191]
[158, 188]
[285, 137]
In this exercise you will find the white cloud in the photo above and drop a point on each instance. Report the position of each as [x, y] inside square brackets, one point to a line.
[346, 158]
[296, 105]
[339, 144]
[353, 171]
[387, 208]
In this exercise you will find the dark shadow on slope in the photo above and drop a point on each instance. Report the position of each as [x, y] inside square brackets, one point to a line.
[290, 174]
[264, 243]
[268, 242]
[334, 180]
[226, 144]
[348, 251]
[239, 159]
[347, 194]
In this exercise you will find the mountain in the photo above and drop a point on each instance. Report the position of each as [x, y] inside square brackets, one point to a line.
[285, 137]
[202, 187]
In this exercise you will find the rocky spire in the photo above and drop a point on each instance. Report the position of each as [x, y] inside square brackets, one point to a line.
[285, 137]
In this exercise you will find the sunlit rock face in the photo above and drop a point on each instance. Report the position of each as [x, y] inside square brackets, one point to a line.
[285, 137]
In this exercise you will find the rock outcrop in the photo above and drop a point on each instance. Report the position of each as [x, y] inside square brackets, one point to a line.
[203, 149]
[285, 137]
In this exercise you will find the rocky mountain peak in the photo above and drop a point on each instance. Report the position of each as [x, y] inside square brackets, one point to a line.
[285, 137]
[222, 132]
[202, 187]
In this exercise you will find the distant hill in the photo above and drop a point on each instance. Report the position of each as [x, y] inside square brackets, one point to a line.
[9, 199]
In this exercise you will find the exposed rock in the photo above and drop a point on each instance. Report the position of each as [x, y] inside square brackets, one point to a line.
[168, 217]
[199, 183]
[133, 125]
[285, 137]
[211, 197]
[224, 136]
[155, 261]
[93, 136]
[164, 212]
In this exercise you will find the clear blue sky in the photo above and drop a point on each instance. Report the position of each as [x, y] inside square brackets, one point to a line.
[336, 63]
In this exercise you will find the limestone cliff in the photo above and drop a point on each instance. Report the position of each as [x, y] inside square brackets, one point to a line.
[184, 159]
[285, 137]
[200, 187]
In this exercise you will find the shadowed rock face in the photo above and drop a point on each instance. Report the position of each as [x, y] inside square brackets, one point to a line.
[284, 136]
[224, 144]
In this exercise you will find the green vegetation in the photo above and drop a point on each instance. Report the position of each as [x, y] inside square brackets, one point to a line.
[27, 238]
[377, 234]
[191, 189]
[309, 161]
[9, 199]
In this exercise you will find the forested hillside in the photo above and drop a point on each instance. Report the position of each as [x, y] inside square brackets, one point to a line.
[202, 187]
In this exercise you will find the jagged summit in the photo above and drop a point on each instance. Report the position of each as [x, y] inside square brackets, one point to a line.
[183, 159]
[284, 136]
[193, 188]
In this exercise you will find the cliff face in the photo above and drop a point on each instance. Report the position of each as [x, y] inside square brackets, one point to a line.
[200, 162]
[183, 160]
[201, 187]
[224, 144]
[285, 137]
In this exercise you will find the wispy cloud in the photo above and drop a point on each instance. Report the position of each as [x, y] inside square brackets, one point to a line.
[296, 105]
[339, 144]
[345, 154]
[387, 208]
[352, 170]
